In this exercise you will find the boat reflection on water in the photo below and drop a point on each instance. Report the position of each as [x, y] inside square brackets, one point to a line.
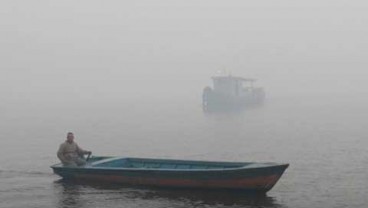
[68, 194]
[80, 194]
[226, 198]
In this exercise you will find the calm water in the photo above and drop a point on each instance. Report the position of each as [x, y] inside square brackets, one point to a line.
[323, 138]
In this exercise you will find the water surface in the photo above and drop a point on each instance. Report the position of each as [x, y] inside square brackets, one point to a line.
[322, 137]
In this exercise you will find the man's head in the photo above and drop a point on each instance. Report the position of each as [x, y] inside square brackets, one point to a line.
[70, 137]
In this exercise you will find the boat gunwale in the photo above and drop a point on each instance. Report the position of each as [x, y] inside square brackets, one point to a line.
[244, 167]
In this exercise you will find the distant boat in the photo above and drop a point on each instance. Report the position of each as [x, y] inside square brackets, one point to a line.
[231, 93]
[253, 177]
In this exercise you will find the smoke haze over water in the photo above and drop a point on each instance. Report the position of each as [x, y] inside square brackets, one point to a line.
[94, 50]
[127, 78]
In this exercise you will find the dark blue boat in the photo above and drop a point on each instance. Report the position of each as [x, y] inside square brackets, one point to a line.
[255, 177]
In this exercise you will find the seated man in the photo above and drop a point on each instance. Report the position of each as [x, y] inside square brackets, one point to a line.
[70, 153]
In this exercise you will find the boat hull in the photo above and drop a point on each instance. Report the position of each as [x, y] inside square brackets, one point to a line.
[212, 101]
[260, 179]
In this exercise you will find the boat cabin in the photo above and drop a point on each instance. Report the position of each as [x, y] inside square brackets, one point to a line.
[234, 86]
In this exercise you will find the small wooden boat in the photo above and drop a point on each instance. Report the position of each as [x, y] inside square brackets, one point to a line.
[254, 177]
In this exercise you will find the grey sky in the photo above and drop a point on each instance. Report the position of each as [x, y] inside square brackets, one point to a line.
[55, 50]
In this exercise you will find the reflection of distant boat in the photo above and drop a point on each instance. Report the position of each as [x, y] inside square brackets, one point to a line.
[253, 177]
[231, 93]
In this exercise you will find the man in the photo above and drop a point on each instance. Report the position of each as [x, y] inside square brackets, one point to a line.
[70, 153]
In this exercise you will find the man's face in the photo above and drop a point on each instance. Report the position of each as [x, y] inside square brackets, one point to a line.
[70, 138]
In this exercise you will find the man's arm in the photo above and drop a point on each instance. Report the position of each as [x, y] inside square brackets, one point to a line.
[60, 153]
[82, 151]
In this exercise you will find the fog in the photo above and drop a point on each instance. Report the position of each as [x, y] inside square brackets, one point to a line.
[114, 51]
[127, 78]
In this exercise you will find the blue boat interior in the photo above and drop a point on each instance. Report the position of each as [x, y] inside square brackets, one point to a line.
[142, 163]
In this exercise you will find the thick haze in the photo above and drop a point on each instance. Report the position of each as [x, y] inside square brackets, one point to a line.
[52, 51]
